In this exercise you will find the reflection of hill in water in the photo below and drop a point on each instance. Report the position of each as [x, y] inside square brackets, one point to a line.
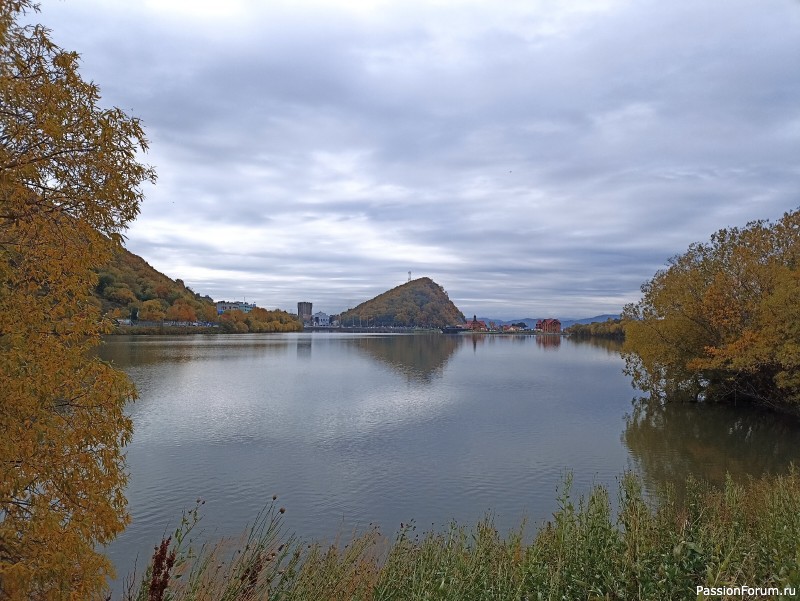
[419, 356]
[671, 441]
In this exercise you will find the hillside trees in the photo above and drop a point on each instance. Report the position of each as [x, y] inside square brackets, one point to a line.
[153, 310]
[722, 322]
[421, 302]
[181, 310]
[128, 282]
[259, 321]
[69, 183]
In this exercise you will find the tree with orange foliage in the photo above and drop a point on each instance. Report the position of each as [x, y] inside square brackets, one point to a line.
[70, 183]
[722, 322]
[181, 310]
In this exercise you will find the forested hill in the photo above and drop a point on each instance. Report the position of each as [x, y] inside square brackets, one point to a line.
[420, 302]
[128, 283]
[128, 287]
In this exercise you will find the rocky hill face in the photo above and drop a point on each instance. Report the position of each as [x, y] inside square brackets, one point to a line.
[421, 302]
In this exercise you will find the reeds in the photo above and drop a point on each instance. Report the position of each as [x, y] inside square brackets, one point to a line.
[740, 535]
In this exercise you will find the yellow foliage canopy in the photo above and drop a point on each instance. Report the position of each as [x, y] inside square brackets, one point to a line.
[259, 321]
[69, 184]
[723, 321]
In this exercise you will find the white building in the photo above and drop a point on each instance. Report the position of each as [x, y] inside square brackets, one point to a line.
[321, 319]
[242, 306]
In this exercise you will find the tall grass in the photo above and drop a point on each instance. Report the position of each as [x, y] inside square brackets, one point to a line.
[741, 534]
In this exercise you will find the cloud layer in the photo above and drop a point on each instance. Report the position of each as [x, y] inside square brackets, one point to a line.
[534, 158]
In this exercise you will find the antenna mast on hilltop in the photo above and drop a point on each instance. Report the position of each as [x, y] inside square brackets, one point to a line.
[409, 276]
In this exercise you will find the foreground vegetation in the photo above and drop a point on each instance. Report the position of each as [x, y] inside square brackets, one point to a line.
[722, 322]
[740, 535]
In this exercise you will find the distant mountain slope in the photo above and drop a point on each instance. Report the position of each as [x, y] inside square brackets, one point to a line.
[565, 321]
[420, 302]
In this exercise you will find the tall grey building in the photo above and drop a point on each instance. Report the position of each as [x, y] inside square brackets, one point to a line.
[304, 311]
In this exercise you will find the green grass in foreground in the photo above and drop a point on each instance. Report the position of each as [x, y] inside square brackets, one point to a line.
[741, 535]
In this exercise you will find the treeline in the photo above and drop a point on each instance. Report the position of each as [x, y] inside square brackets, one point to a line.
[722, 322]
[258, 321]
[611, 328]
[421, 302]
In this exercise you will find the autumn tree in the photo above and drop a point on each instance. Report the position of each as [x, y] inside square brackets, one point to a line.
[152, 310]
[181, 310]
[722, 322]
[233, 322]
[69, 183]
[611, 328]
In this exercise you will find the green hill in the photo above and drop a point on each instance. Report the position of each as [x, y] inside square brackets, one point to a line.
[420, 302]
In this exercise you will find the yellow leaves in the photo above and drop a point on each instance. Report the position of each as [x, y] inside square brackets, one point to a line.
[152, 310]
[726, 316]
[719, 306]
[69, 183]
[181, 310]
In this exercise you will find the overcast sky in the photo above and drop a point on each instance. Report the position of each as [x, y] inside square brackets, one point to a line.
[535, 158]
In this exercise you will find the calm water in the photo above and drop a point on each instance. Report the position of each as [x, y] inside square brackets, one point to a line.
[353, 429]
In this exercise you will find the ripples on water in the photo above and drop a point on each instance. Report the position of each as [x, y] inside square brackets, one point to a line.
[356, 429]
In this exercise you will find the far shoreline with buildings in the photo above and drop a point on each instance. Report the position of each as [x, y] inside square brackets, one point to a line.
[320, 319]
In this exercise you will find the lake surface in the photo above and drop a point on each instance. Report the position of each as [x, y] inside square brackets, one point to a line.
[354, 429]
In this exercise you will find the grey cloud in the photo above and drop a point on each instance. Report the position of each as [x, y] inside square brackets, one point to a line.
[544, 159]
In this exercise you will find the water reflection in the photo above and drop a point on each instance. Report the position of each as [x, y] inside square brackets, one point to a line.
[668, 442]
[612, 345]
[137, 351]
[549, 342]
[419, 357]
[304, 348]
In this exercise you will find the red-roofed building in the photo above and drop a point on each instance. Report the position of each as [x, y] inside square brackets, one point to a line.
[549, 326]
[476, 325]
